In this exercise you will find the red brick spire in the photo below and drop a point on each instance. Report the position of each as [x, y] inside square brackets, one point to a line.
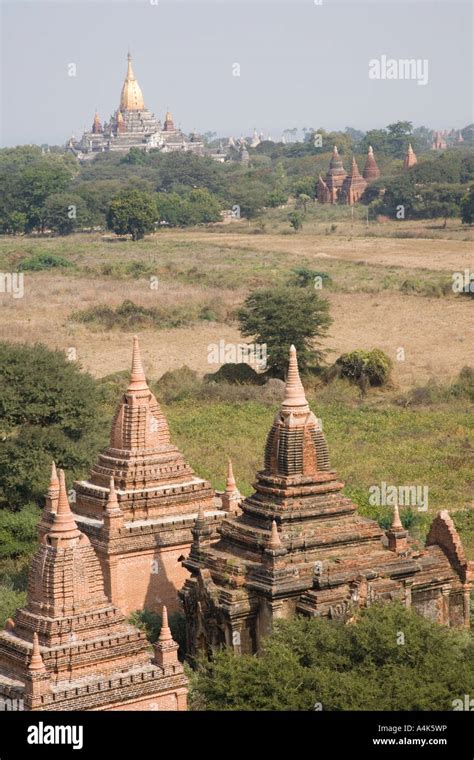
[165, 632]
[294, 391]
[410, 158]
[137, 377]
[54, 480]
[36, 662]
[64, 526]
[230, 484]
[371, 170]
[112, 505]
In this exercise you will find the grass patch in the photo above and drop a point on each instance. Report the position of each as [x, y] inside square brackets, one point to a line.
[130, 316]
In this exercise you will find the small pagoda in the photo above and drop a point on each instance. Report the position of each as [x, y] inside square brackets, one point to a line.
[141, 540]
[299, 546]
[410, 158]
[371, 170]
[353, 186]
[70, 648]
[329, 188]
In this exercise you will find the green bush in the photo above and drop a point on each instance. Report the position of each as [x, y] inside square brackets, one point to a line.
[41, 261]
[365, 367]
[314, 663]
[178, 384]
[235, 374]
[49, 409]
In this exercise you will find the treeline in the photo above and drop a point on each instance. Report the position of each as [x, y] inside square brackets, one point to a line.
[52, 191]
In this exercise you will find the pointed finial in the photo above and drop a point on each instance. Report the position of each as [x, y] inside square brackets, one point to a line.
[36, 662]
[396, 522]
[63, 520]
[112, 505]
[201, 516]
[275, 540]
[370, 151]
[63, 502]
[137, 377]
[230, 484]
[53, 480]
[165, 633]
[335, 151]
[294, 391]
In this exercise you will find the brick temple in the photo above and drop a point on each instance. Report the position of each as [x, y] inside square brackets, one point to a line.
[70, 648]
[298, 545]
[142, 540]
[347, 187]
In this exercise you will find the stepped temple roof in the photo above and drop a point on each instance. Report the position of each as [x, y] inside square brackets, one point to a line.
[156, 497]
[299, 545]
[70, 648]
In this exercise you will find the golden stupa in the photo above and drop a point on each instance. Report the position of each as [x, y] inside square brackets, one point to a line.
[131, 98]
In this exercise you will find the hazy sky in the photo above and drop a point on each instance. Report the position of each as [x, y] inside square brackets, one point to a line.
[301, 64]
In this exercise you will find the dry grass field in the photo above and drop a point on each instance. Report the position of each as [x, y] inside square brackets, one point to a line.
[386, 292]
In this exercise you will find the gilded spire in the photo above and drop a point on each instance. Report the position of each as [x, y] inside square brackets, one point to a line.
[137, 377]
[294, 391]
[131, 98]
[165, 632]
[36, 662]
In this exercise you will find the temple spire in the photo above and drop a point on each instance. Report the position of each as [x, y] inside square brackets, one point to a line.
[294, 391]
[165, 632]
[137, 377]
[275, 540]
[53, 480]
[112, 505]
[396, 522]
[64, 525]
[36, 662]
[230, 484]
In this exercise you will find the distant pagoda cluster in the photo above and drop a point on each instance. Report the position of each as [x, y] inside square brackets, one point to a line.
[135, 126]
[348, 187]
[338, 185]
[147, 532]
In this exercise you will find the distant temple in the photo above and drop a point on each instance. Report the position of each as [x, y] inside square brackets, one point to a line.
[298, 545]
[410, 158]
[70, 647]
[134, 126]
[338, 185]
[140, 543]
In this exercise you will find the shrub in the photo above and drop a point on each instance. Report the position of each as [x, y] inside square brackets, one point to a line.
[41, 261]
[236, 374]
[365, 367]
[150, 623]
[303, 277]
[178, 384]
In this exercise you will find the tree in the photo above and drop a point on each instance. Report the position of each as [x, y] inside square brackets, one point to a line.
[201, 207]
[49, 409]
[132, 213]
[296, 220]
[467, 207]
[284, 316]
[314, 663]
[65, 212]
